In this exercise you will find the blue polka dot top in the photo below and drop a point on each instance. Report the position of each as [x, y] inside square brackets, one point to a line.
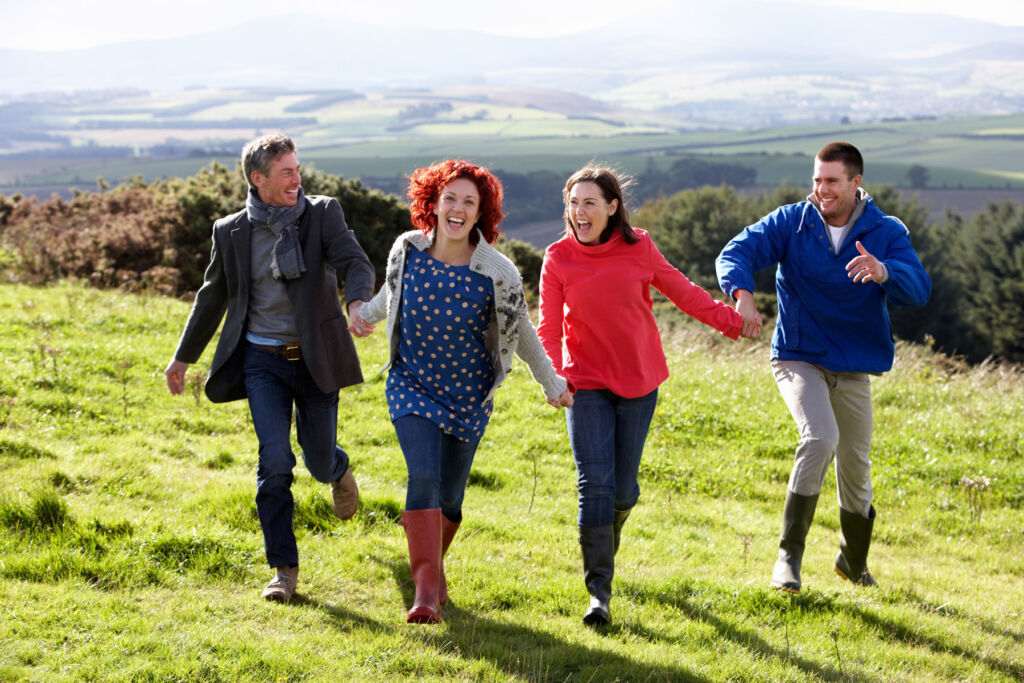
[443, 370]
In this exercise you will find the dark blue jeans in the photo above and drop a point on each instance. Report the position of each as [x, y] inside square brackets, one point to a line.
[438, 466]
[607, 434]
[274, 385]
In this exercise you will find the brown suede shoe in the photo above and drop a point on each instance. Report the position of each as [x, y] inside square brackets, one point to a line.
[345, 495]
[282, 587]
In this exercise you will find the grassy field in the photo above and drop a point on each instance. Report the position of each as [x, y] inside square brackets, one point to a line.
[130, 550]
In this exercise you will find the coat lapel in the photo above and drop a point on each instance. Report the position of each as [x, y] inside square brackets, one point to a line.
[241, 238]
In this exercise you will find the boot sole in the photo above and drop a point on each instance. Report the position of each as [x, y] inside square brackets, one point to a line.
[422, 615]
[788, 589]
[843, 576]
[420, 619]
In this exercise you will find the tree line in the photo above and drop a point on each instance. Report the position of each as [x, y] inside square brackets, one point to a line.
[537, 195]
[977, 266]
[156, 237]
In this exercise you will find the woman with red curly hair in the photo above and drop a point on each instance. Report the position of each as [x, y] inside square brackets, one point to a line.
[455, 315]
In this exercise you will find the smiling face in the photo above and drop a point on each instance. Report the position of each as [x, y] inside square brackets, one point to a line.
[457, 208]
[589, 211]
[280, 186]
[835, 191]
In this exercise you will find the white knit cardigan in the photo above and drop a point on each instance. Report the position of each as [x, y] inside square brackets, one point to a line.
[510, 330]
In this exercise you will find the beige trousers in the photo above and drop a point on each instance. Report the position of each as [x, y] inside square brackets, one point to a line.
[832, 411]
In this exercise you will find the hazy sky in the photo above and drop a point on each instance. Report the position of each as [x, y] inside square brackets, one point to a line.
[69, 24]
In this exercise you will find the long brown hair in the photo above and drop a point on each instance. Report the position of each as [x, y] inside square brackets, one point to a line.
[611, 185]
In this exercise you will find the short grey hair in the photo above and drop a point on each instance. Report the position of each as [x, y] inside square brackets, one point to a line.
[258, 154]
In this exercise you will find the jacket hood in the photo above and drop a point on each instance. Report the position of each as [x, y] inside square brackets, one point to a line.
[862, 200]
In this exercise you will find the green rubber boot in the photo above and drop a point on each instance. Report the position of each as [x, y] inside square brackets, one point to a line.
[796, 520]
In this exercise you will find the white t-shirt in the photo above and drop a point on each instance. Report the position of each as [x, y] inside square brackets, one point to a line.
[837, 235]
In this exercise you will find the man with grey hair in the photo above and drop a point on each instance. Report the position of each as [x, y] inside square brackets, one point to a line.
[274, 269]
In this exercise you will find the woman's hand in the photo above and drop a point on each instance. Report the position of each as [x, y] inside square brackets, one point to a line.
[356, 324]
[748, 311]
[563, 401]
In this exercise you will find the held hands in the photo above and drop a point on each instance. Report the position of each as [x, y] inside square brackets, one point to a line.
[175, 374]
[563, 401]
[356, 324]
[748, 311]
[865, 268]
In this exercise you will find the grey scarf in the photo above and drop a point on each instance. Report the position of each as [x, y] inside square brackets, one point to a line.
[286, 256]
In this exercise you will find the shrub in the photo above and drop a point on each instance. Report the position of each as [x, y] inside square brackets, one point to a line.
[157, 236]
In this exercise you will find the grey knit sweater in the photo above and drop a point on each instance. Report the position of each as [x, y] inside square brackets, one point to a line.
[510, 330]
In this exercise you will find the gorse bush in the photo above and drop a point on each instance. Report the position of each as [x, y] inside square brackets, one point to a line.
[156, 236]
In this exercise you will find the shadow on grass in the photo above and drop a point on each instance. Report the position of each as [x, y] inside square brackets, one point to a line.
[929, 607]
[347, 620]
[520, 651]
[534, 655]
[765, 602]
[531, 653]
[746, 638]
[915, 638]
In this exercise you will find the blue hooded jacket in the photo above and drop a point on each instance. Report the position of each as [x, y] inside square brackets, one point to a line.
[825, 317]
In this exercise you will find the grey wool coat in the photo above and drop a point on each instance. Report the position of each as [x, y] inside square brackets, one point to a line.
[330, 251]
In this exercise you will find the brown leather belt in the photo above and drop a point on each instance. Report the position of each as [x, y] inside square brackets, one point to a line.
[290, 351]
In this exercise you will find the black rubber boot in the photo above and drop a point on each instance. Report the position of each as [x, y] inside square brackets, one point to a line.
[598, 546]
[796, 520]
[854, 541]
[620, 518]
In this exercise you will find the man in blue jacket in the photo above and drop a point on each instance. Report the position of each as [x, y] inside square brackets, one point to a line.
[273, 279]
[840, 259]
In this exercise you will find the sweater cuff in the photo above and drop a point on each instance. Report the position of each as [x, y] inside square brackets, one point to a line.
[558, 385]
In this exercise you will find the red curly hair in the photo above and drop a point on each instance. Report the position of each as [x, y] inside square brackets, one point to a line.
[425, 185]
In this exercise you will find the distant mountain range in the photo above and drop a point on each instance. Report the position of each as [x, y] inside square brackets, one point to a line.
[729, 62]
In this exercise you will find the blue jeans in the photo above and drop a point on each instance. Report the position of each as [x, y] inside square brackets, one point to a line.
[607, 434]
[274, 384]
[438, 466]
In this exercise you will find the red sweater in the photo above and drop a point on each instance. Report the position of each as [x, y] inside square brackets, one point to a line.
[598, 299]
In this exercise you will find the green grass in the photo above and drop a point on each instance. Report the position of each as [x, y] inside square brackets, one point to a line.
[130, 549]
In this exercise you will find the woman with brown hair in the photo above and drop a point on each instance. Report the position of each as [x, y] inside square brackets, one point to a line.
[598, 328]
